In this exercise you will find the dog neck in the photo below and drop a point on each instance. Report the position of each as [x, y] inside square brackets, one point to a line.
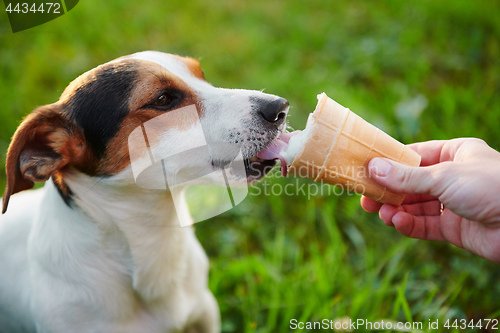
[153, 245]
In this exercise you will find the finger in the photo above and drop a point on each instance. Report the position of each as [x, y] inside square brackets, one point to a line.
[421, 227]
[446, 227]
[452, 227]
[370, 205]
[450, 150]
[430, 151]
[414, 198]
[428, 208]
[401, 178]
[433, 152]
[387, 212]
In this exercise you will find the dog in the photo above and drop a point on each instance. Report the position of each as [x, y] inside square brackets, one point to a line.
[92, 251]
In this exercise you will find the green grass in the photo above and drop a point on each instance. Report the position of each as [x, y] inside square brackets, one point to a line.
[420, 70]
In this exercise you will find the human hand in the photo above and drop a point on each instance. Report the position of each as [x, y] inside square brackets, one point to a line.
[453, 196]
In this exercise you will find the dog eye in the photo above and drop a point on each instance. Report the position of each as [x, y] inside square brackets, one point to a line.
[162, 100]
[167, 100]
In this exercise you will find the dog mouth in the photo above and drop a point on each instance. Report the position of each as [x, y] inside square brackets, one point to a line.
[256, 168]
[262, 163]
[261, 151]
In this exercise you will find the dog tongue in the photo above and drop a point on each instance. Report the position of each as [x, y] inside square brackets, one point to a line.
[272, 151]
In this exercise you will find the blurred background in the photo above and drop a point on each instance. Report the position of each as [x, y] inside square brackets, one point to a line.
[419, 70]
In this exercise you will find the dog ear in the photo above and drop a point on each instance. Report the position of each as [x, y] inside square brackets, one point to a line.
[44, 143]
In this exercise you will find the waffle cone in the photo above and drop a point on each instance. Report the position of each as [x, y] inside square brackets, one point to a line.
[339, 148]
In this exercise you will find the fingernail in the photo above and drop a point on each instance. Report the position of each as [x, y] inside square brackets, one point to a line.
[380, 167]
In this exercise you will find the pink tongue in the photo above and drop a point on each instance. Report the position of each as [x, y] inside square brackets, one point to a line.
[272, 151]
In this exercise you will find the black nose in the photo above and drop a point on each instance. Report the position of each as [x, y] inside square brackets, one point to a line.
[274, 111]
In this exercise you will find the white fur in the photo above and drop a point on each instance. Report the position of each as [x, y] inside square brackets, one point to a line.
[117, 261]
[107, 266]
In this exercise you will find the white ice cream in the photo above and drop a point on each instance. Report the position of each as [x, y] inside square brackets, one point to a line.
[297, 142]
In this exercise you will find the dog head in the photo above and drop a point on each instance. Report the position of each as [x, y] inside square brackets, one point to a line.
[88, 129]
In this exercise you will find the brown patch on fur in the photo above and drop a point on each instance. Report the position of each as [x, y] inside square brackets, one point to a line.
[152, 81]
[44, 144]
[193, 65]
[58, 180]
[118, 156]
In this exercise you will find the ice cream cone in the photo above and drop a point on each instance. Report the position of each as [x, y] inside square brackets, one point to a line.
[339, 147]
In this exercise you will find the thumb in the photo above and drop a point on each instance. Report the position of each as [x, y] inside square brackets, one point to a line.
[401, 178]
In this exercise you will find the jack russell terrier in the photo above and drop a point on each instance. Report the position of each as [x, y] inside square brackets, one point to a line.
[92, 251]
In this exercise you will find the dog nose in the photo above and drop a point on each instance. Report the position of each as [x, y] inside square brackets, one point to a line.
[275, 111]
